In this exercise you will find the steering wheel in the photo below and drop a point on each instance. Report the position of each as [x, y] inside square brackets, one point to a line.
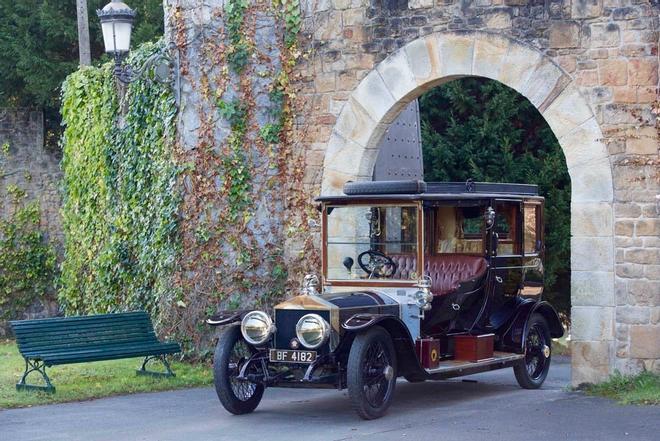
[377, 264]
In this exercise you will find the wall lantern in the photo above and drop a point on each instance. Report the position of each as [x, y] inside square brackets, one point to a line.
[117, 25]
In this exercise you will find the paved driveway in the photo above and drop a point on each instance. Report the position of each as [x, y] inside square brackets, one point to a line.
[493, 408]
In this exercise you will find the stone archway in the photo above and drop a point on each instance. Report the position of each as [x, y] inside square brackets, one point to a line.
[437, 58]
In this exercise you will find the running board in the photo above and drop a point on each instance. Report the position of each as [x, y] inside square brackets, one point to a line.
[457, 368]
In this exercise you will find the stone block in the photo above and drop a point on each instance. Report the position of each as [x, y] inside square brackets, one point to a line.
[423, 59]
[643, 141]
[647, 227]
[564, 34]
[613, 72]
[624, 228]
[373, 95]
[355, 124]
[583, 145]
[591, 182]
[592, 323]
[397, 74]
[324, 82]
[589, 219]
[592, 288]
[604, 35]
[590, 361]
[567, 112]
[592, 254]
[645, 341]
[498, 20]
[652, 272]
[644, 292]
[420, 4]
[456, 54]
[632, 315]
[643, 256]
[586, 8]
[518, 65]
[643, 71]
[655, 315]
[544, 84]
[489, 54]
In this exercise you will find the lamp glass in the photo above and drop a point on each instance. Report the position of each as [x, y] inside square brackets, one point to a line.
[117, 35]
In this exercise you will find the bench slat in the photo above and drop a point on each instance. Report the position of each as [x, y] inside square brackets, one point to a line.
[36, 347]
[162, 349]
[73, 332]
[128, 348]
[81, 318]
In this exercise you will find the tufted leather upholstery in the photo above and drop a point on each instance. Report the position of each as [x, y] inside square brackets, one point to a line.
[447, 271]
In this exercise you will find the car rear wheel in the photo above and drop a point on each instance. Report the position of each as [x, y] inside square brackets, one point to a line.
[231, 353]
[532, 372]
[371, 373]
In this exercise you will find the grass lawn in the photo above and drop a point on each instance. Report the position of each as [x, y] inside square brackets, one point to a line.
[639, 389]
[75, 382]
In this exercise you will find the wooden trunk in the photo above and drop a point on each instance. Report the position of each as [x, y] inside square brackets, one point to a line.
[473, 347]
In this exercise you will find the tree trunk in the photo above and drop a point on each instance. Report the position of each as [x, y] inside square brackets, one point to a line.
[83, 33]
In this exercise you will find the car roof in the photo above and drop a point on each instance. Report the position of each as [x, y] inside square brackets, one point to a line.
[431, 191]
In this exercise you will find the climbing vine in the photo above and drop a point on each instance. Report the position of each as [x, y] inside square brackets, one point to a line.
[28, 269]
[120, 192]
[244, 203]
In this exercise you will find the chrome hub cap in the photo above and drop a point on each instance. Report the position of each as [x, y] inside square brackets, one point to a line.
[388, 372]
[546, 351]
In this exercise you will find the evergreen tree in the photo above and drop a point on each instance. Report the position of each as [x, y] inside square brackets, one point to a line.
[39, 47]
[480, 129]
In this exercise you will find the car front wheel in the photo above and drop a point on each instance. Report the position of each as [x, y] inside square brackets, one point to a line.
[371, 373]
[231, 353]
[531, 373]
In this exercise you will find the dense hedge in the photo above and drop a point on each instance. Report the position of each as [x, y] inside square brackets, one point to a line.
[120, 197]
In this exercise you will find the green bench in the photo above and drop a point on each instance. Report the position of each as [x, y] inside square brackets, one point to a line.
[56, 341]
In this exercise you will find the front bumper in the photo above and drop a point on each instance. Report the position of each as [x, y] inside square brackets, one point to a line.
[324, 372]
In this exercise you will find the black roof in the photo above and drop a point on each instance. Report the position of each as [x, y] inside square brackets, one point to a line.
[420, 190]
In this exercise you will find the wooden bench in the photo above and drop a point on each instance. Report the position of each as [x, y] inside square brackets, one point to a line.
[55, 341]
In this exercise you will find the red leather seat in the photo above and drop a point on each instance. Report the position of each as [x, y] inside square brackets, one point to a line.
[447, 271]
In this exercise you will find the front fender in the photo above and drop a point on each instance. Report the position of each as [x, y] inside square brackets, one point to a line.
[404, 345]
[222, 318]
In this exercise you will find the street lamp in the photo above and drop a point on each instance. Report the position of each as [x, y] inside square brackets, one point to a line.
[117, 24]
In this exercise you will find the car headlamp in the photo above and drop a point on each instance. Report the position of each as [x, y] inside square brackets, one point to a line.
[256, 327]
[312, 331]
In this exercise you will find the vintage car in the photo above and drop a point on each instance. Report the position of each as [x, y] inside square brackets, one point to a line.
[424, 281]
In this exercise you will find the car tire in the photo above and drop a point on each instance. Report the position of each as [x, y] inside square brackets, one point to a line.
[238, 397]
[532, 372]
[372, 372]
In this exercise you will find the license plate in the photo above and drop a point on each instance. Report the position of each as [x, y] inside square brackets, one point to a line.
[288, 356]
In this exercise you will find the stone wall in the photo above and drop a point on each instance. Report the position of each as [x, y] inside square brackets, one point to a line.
[590, 67]
[31, 167]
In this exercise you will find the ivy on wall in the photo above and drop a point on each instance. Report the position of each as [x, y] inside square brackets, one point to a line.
[28, 269]
[244, 202]
[120, 192]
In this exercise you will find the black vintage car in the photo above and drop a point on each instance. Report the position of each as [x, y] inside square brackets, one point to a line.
[424, 281]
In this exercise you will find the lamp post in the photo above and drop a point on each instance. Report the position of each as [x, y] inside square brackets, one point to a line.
[117, 25]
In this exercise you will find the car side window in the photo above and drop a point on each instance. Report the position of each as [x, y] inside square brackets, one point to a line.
[531, 228]
[506, 227]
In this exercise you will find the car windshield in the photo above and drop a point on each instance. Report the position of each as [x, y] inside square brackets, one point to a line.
[370, 242]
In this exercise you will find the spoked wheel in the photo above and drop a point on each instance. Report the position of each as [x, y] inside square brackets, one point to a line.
[231, 353]
[532, 372]
[371, 373]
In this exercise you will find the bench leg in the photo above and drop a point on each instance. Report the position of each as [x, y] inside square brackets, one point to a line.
[35, 366]
[143, 370]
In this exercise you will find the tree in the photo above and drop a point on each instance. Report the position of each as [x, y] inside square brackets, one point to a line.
[480, 129]
[39, 47]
